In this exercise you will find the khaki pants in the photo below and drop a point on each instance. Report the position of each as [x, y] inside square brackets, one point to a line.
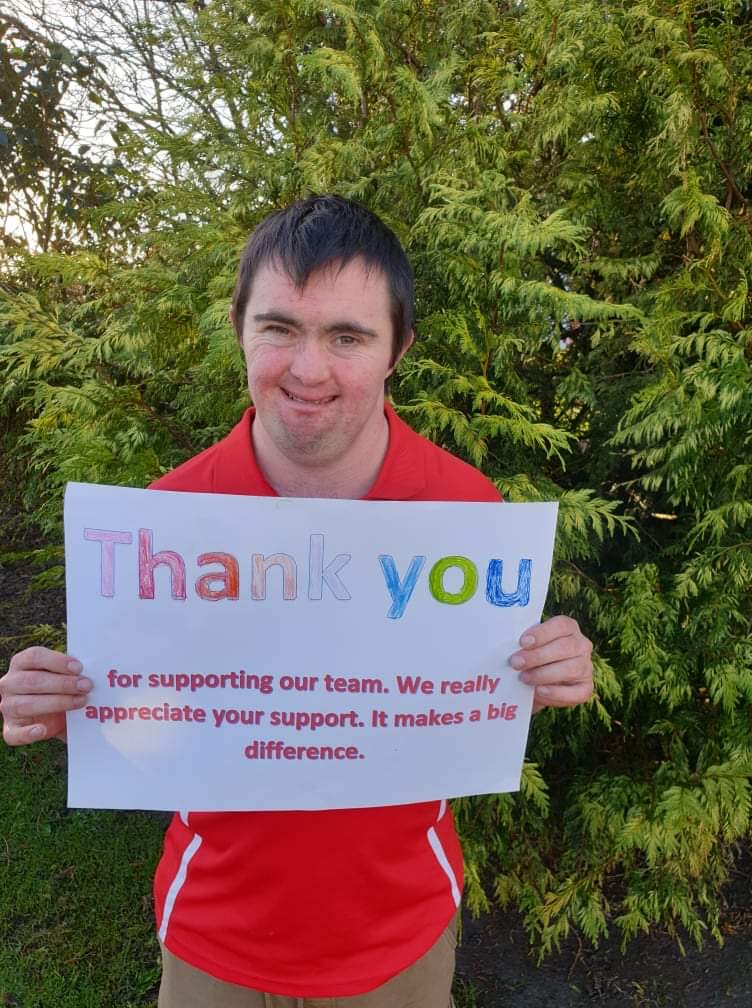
[425, 984]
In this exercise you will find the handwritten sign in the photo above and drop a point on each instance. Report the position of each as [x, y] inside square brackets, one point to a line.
[276, 653]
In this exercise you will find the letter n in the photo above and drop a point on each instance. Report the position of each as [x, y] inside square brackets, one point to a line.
[260, 567]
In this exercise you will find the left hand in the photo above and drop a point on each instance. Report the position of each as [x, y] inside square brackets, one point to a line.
[555, 658]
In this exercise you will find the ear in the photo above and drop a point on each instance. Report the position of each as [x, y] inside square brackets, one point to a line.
[233, 322]
[403, 350]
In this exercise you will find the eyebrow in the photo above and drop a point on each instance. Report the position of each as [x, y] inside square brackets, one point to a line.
[342, 325]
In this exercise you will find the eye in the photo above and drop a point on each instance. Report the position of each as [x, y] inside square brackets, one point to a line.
[276, 330]
[346, 339]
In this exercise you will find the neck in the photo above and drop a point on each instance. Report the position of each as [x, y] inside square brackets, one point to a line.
[348, 478]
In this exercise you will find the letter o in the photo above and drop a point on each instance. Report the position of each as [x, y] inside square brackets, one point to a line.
[469, 584]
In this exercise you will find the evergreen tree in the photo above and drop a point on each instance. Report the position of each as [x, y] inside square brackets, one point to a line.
[571, 183]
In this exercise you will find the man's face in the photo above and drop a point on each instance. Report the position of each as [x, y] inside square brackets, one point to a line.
[317, 359]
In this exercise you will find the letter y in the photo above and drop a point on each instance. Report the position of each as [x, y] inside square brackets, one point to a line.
[400, 591]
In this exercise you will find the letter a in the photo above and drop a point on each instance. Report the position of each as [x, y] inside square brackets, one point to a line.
[219, 584]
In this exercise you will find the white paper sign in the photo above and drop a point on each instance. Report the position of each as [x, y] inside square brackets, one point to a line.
[274, 653]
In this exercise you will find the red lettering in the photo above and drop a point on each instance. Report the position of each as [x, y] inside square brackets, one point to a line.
[147, 561]
[229, 578]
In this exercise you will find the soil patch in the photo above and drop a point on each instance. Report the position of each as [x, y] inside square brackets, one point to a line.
[499, 969]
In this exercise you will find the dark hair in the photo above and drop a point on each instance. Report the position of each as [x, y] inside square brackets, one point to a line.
[319, 230]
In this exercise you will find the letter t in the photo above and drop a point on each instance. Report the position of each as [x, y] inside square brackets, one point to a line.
[107, 540]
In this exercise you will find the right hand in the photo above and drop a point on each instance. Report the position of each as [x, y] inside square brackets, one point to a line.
[36, 691]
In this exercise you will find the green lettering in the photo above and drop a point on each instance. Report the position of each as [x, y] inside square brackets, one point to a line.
[469, 584]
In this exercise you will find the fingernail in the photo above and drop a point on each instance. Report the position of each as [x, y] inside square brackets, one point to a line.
[37, 731]
[84, 685]
[75, 667]
[517, 661]
[543, 691]
[527, 640]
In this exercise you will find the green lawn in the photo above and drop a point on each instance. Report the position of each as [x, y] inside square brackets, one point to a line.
[75, 893]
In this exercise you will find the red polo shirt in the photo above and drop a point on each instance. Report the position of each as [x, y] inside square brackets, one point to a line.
[313, 904]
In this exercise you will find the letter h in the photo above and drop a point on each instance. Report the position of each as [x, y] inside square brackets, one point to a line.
[147, 561]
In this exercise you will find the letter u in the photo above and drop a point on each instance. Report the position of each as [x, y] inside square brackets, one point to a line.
[495, 593]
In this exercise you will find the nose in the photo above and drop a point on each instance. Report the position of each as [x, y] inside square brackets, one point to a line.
[310, 363]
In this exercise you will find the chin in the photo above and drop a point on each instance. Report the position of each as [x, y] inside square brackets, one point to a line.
[311, 447]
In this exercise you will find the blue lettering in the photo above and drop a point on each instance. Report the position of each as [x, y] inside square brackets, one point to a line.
[400, 591]
[495, 593]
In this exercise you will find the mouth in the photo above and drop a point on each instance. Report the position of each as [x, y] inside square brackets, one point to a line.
[308, 402]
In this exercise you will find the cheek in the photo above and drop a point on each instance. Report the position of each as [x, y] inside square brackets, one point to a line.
[362, 371]
[264, 365]
[370, 379]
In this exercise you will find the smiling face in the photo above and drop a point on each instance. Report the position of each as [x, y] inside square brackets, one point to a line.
[317, 359]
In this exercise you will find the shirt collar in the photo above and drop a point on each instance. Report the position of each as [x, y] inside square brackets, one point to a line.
[402, 474]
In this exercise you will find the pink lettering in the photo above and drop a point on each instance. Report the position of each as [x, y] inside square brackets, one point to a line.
[262, 564]
[107, 540]
[147, 561]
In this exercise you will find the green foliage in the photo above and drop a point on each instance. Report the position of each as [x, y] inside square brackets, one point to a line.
[572, 185]
[46, 179]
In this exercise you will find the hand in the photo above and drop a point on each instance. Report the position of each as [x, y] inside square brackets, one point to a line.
[39, 686]
[555, 659]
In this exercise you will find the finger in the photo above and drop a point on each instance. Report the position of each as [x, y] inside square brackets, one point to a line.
[42, 658]
[28, 709]
[23, 681]
[22, 734]
[542, 633]
[565, 673]
[563, 695]
[559, 649]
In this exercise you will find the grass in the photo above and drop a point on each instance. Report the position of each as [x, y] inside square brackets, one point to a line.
[465, 994]
[75, 893]
[76, 928]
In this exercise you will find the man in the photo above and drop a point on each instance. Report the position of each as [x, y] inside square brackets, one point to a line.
[353, 907]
